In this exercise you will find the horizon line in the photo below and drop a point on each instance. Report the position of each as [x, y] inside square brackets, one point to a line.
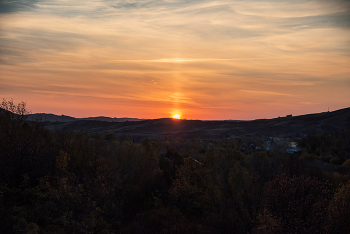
[185, 118]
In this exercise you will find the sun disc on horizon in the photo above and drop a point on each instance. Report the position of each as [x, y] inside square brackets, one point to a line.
[176, 116]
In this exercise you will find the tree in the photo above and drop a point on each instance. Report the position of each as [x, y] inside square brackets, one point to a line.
[294, 205]
[17, 113]
[339, 210]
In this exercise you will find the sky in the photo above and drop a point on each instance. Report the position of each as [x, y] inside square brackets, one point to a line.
[209, 60]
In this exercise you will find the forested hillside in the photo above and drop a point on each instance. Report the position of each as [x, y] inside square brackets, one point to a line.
[77, 182]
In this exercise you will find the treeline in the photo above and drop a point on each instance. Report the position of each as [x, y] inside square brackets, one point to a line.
[75, 182]
[331, 147]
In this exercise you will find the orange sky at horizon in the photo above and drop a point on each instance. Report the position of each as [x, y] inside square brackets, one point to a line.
[209, 60]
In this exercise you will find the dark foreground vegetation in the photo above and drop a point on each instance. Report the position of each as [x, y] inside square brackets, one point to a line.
[75, 182]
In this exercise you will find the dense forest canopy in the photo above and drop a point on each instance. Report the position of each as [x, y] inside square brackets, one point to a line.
[76, 182]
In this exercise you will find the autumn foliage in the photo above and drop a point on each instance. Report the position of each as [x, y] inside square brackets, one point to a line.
[76, 182]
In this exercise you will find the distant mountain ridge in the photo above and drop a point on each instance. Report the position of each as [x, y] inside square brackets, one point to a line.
[43, 117]
[139, 128]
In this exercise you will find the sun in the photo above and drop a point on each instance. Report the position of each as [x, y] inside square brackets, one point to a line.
[176, 116]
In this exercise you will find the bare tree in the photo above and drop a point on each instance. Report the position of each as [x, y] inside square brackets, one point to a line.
[17, 113]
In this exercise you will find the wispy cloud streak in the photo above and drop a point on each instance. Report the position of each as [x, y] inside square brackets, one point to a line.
[190, 55]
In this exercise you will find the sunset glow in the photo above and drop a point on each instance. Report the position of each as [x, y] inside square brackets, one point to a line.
[208, 59]
[176, 116]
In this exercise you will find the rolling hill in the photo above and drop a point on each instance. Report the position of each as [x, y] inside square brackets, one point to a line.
[139, 128]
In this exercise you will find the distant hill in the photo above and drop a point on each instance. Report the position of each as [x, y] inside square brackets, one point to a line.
[108, 119]
[138, 128]
[43, 117]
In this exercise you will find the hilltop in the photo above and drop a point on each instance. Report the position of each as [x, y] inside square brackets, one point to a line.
[43, 117]
[140, 128]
